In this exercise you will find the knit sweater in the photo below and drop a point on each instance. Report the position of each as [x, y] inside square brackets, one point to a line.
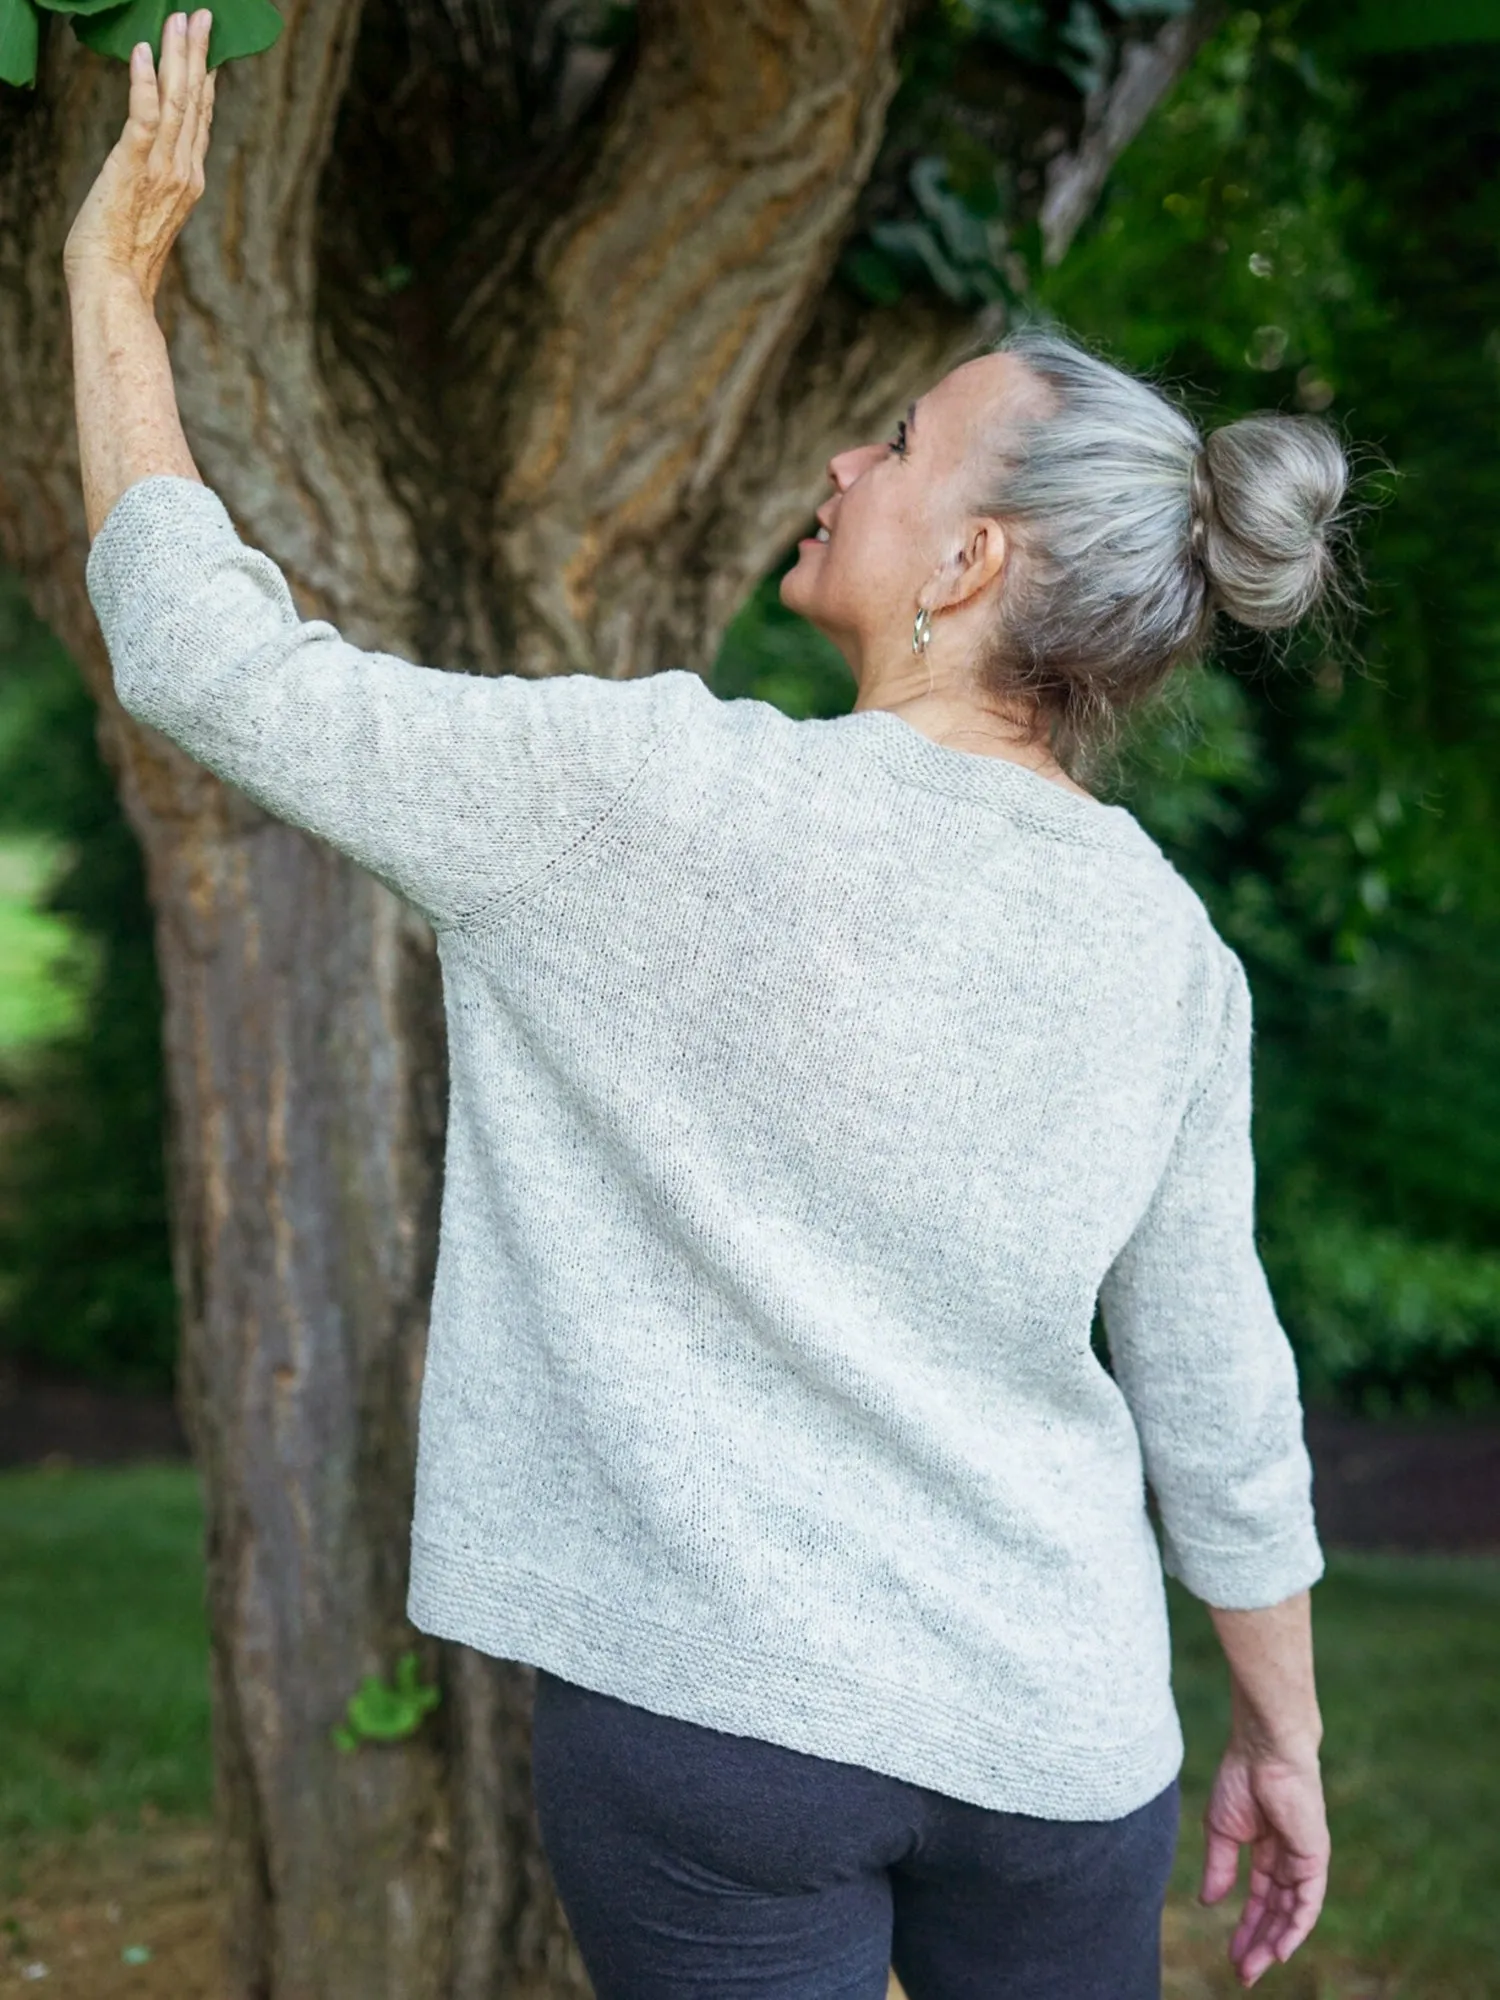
[812, 1083]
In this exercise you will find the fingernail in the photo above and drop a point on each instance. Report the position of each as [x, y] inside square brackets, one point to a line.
[140, 57]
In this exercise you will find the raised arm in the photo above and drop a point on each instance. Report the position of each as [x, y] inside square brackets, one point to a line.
[457, 790]
[117, 249]
[1205, 1365]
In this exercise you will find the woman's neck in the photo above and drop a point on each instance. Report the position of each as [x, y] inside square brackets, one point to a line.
[959, 723]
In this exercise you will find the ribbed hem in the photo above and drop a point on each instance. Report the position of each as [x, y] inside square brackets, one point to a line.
[513, 1614]
[1007, 787]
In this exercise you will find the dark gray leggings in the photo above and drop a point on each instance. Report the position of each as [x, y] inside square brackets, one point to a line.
[694, 1865]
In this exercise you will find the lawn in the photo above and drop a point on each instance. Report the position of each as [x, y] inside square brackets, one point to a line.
[104, 1718]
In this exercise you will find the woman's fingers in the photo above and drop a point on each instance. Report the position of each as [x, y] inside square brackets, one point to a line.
[1279, 1915]
[172, 82]
[185, 90]
[1221, 1865]
[190, 138]
[145, 103]
[147, 187]
[1307, 1906]
[205, 124]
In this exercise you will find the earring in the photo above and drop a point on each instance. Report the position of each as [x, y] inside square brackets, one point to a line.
[921, 632]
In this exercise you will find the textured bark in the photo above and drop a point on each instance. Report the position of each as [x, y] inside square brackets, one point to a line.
[594, 417]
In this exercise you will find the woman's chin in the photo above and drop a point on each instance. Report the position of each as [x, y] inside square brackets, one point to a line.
[795, 589]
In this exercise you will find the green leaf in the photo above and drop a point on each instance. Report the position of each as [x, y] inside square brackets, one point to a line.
[241, 28]
[18, 39]
[382, 1714]
[77, 6]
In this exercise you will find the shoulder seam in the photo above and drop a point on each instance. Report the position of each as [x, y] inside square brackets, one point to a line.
[490, 908]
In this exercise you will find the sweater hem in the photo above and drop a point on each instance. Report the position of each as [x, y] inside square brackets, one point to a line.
[820, 1709]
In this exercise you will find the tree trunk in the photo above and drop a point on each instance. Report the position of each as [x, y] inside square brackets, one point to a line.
[516, 354]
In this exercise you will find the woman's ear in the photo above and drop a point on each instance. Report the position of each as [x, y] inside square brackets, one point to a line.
[971, 568]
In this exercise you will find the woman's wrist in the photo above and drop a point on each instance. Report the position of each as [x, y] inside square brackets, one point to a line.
[1291, 1736]
[1273, 1691]
[128, 426]
[94, 276]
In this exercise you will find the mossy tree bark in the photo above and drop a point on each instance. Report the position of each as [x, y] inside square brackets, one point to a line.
[518, 353]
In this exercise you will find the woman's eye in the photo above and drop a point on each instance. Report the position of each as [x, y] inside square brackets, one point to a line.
[898, 442]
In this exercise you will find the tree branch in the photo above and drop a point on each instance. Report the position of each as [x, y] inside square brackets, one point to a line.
[1112, 118]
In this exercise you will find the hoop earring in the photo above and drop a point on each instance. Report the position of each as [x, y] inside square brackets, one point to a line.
[921, 631]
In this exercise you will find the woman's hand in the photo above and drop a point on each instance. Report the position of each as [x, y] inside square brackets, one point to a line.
[149, 184]
[1275, 1803]
[117, 249]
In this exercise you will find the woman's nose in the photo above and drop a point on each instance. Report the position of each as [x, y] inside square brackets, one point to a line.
[843, 468]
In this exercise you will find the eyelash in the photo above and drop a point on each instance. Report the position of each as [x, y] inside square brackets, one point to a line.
[898, 442]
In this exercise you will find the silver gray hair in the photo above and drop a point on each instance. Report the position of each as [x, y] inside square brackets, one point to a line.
[1133, 531]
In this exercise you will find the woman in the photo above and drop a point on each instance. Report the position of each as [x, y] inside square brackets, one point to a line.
[811, 1085]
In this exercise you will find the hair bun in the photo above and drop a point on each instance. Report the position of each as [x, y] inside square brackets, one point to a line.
[1266, 492]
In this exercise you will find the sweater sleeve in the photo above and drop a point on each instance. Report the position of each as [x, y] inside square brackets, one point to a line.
[1202, 1359]
[453, 788]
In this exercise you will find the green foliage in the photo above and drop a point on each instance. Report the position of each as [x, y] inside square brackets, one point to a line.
[947, 208]
[1409, 1685]
[42, 961]
[1306, 226]
[240, 28]
[957, 239]
[85, 1276]
[381, 1713]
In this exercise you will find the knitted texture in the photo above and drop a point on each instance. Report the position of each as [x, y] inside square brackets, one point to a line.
[811, 1082]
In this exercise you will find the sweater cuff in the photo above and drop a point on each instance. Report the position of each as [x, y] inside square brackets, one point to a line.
[162, 538]
[1249, 1578]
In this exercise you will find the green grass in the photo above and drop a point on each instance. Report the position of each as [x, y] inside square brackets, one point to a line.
[104, 1707]
[1408, 1652]
[103, 1648]
[40, 992]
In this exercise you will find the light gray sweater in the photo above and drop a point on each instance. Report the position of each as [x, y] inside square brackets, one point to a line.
[811, 1082]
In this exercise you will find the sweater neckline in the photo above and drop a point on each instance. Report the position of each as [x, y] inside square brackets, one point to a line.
[997, 782]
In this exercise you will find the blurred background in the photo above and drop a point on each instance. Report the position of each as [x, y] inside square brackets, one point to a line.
[1311, 221]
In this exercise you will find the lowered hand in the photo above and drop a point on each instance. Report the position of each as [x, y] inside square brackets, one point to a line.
[1275, 1804]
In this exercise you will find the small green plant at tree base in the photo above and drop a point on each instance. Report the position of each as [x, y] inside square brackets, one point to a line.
[114, 27]
[381, 1714]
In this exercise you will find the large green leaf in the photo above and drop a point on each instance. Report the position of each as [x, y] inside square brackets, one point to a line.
[77, 6]
[18, 34]
[241, 28]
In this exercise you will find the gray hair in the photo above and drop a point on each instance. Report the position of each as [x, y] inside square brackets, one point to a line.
[1133, 530]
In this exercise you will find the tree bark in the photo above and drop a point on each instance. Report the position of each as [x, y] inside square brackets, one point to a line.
[590, 416]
